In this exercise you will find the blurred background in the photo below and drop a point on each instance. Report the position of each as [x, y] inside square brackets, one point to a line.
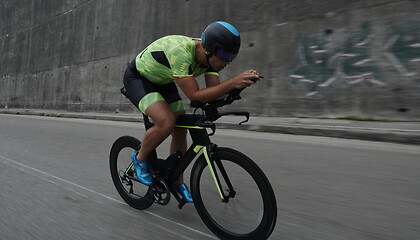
[321, 60]
[332, 58]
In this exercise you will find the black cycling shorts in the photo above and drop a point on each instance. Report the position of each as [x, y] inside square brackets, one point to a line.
[142, 93]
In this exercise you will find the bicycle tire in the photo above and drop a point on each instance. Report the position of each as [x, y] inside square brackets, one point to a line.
[127, 144]
[217, 217]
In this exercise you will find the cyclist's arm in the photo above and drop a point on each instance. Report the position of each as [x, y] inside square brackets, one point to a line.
[191, 89]
[212, 80]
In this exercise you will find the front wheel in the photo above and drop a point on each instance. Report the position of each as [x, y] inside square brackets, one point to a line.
[249, 208]
[130, 189]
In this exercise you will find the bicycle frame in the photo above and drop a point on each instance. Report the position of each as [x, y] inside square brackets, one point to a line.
[201, 145]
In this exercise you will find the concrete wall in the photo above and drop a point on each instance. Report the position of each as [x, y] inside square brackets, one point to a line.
[320, 58]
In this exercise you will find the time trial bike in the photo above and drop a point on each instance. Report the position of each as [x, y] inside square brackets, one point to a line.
[231, 193]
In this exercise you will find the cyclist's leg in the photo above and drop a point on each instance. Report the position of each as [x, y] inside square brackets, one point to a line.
[164, 123]
[179, 142]
[179, 135]
[147, 98]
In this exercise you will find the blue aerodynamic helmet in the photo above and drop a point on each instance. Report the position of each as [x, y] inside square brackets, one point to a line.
[222, 40]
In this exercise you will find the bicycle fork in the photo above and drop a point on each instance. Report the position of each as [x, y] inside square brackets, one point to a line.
[209, 154]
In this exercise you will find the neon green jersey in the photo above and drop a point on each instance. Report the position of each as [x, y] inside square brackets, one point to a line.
[169, 58]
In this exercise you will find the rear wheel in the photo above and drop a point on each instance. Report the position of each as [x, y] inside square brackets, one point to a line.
[249, 210]
[134, 193]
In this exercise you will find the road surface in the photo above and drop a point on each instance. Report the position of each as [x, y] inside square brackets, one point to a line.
[55, 184]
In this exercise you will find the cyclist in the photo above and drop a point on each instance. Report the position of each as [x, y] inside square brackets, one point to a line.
[150, 83]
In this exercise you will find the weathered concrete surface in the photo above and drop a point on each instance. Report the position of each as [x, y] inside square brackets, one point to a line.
[319, 58]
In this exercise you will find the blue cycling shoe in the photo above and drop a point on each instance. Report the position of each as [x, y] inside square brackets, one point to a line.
[142, 170]
[182, 190]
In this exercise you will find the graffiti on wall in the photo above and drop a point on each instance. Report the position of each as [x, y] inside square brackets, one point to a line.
[354, 57]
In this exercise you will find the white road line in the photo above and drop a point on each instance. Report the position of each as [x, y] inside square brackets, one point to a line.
[42, 174]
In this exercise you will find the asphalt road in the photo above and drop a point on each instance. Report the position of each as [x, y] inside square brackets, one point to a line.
[55, 184]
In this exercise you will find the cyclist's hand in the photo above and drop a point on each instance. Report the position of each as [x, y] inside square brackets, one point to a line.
[245, 79]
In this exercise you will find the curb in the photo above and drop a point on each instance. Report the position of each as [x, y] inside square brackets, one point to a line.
[360, 134]
[384, 135]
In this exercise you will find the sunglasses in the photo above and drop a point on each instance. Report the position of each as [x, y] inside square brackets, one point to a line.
[224, 55]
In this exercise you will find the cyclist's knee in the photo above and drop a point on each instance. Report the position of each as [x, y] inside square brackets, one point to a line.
[179, 113]
[162, 116]
[166, 123]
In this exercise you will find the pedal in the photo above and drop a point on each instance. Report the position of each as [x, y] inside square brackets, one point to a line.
[181, 202]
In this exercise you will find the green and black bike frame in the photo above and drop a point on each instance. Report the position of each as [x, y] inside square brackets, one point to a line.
[201, 144]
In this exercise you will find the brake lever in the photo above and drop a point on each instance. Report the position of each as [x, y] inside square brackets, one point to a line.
[247, 118]
[245, 114]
